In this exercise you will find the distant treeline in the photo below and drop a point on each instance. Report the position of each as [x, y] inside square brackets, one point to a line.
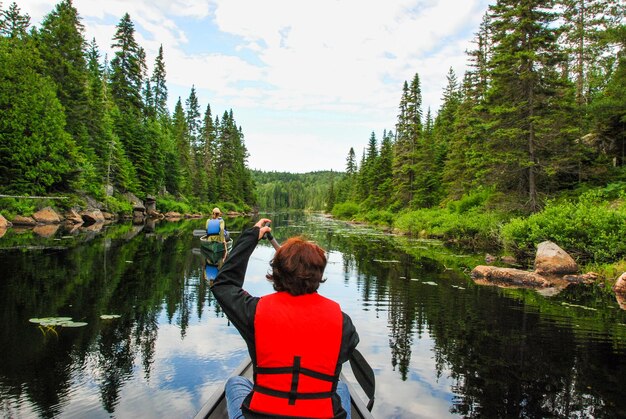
[73, 121]
[540, 110]
[281, 190]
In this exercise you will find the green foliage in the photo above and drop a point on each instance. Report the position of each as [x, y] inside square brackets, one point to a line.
[281, 190]
[118, 205]
[591, 228]
[69, 123]
[475, 227]
[346, 210]
[473, 199]
[378, 217]
[36, 154]
[168, 203]
[11, 207]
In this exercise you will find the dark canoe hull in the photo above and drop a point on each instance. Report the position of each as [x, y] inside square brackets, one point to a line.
[214, 251]
[215, 407]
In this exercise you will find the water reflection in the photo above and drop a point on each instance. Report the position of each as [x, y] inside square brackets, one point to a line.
[440, 345]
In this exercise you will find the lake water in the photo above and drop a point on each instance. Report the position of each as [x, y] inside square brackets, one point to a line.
[440, 345]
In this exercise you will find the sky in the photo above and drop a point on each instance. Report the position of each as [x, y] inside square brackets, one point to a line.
[306, 80]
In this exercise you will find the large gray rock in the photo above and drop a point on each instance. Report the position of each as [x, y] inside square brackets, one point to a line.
[552, 260]
[94, 216]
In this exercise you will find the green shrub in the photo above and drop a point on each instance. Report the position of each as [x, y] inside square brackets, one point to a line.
[10, 207]
[379, 217]
[475, 227]
[346, 210]
[167, 204]
[589, 228]
[118, 205]
[475, 198]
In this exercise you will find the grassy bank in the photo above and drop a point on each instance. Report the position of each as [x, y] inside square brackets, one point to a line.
[590, 225]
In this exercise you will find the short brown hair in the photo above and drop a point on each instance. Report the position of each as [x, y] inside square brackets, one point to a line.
[297, 267]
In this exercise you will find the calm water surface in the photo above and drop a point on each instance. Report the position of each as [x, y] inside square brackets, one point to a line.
[440, 345]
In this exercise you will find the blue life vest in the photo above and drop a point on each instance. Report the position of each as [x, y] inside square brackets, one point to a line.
[213, 227]
[210, 271]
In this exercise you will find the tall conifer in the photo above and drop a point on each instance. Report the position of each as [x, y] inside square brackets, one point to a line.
[63, 48]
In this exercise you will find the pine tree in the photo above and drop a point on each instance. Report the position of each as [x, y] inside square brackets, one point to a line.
[62, 47]
[608, 110]
[209, 154]
[14, 23]
[584, 23]
[159, 85]
[192, 117]
[351, 167]
[97, 107]
[408, 131]
[526, 144]
[126, 68]
[383, 172]
[331, 196]
[442, 134]
[466, 160]
[182, 183]
[345, 187]
[366, 178]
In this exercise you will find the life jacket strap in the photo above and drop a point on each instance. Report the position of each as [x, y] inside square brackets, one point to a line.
[289, 370]
[295, 370]
[287, 394]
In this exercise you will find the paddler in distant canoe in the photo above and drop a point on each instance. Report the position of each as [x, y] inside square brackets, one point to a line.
[216, 229]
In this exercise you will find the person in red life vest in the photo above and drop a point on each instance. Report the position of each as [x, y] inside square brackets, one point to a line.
[297, 339]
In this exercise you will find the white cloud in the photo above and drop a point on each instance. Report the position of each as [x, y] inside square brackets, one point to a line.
[347, 57]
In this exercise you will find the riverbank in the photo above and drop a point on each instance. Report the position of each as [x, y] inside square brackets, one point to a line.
[84, 210]
[589, 226]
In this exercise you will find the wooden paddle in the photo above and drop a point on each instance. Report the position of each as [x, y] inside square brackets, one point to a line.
[364, 374]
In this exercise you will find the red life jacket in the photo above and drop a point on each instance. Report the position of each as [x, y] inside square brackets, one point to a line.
[297, 343]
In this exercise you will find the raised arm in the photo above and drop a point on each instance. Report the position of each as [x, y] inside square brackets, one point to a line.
[238, 305]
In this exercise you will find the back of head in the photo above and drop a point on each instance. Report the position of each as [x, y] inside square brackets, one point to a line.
[216, 212]
[298, 267]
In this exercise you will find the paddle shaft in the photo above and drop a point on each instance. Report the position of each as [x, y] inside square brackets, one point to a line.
[272, 240]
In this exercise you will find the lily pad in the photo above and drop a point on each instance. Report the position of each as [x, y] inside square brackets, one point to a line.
[45, 321]
[56, 321]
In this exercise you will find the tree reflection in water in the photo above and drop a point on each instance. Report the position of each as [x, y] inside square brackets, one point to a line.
[496, 352]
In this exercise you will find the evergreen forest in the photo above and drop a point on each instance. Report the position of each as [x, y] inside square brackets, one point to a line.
[73, 121]
[528, 144]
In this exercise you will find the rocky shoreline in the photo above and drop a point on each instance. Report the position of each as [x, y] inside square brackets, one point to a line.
[554, 270]
[47, 221]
